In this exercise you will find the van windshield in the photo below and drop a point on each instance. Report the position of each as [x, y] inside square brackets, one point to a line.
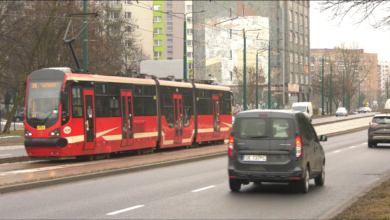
[299, 108]
[264, 128]
[381, 120]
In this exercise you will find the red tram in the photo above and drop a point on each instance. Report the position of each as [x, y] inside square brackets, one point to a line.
[70, 115]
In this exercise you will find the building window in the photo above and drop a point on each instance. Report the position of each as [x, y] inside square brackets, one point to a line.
[170, 41]
[169, 28]
[230, 34]
[169, 5]
[296, 78]
[296, 58]
[170, 58]
[243, 11]
[169, 23]
[157, 54]
[296, 37]
[189, 7]
[296, 18]
[157, 30]
[306, 60]
[290, 15]
[189, 54]
[128, 2]
[170, 47]
[306, 41]
[291, 36]
[301, 39]
[97, 1]
[302, 79]
[189, 31]
[113, 15]
[157, 7]
[189, 20]
[301, 59]
[127, 43]
[189, 43]
[169, 35]
[301, 20]
[191, 66]
[157, 19]
[231, 54]
[291, 77]
[307, 79]
[128, 29]
[291, 57]
[128, 15]
[157, 43]
[170, 52]
[306, 22]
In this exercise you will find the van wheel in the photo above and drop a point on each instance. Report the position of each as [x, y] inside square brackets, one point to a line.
[371, 144]
[303, 184]
[320, 179]
[235, 185]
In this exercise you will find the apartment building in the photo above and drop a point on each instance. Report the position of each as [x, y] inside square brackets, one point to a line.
[287, 32]
[383, 77]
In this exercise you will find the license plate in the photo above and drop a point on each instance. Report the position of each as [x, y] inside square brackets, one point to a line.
[254, 158]
[41, 127]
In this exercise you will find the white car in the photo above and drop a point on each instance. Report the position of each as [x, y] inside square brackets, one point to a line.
[341, 111]
[368, 109]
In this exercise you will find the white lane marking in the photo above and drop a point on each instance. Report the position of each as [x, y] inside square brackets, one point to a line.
[3, 155]
[364, 143]
[337, 151]
[352, 147]
[125, 210]
[197, 190]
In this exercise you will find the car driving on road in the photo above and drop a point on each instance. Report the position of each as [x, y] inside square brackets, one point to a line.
[341, 111]
[379, 130]
[275, 146]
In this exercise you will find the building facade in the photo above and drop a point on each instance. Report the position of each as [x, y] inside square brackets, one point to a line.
[288, 31]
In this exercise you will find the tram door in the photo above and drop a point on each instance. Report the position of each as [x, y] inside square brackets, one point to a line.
[217, 125]
[178, 117]
[127, 118]
[89, 120]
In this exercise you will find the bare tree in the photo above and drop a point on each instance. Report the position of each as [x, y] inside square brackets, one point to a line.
[365, 10]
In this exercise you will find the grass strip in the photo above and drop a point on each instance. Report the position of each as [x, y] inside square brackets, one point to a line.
[375, 204]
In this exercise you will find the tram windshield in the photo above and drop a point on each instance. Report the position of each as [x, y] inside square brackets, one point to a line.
[43, 102]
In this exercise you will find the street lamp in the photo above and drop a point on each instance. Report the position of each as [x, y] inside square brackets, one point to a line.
[185, 39]
[323, 113]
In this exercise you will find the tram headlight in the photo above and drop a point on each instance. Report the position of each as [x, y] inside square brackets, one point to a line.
[27, 133]
[55, 133]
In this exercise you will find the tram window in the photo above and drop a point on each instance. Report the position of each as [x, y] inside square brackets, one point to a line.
[137, 90]
[201, 93]
[166, 90]
[113, 89]
[205, 107]
[137, 106]
[147, 90]
[187, 109]
[101, 106]
[100, 88]
[227, 95]
[208, 94]
[149, 105]
[168, 114]
[167, 100]
[225, 107]
[114, 107]
[77, 104]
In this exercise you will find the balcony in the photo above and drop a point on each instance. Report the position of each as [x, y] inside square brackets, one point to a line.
[114, 6]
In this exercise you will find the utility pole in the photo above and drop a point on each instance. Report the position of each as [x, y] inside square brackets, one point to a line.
[244, 86]
[322, 86]
[343, 89]
[269, 74]
[359, 96]
[387, 88]
[85, 38]
[257, 80]
[185, 49]
[330, 94]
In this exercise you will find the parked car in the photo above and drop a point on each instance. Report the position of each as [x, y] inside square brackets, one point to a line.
[367, 109]
[18, 117]
[275, 146]
[362, 110]
[341, 111]
[379, 130]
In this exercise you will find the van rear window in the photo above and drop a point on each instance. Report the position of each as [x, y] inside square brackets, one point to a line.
[264, 128]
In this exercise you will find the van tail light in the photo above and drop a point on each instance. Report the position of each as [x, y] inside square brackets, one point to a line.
[298, 147]
[373, 124]
[230, 146]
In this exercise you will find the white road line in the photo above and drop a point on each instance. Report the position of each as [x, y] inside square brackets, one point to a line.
[352, 147]
[3, 155]
[197, 190]
[364, 143]
[125, 210]
[337, 151]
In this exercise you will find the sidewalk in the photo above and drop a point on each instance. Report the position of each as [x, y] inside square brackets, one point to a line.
[57, 172]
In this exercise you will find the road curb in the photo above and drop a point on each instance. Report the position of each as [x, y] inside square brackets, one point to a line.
[81, 177]
[339, 208]
[347, 131]
[348, 119]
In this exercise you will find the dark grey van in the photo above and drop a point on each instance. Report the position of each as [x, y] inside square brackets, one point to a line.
[275, 146]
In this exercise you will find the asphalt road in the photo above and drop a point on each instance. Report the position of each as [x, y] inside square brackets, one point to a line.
[200, 190]
[12, 151]
[334, 118]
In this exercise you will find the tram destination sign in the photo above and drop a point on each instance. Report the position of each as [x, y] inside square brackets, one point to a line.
[44, 85]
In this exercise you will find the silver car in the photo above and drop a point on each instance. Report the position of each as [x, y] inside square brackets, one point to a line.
[342, 111]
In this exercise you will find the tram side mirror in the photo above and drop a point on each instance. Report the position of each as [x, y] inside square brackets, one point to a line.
[64, 97]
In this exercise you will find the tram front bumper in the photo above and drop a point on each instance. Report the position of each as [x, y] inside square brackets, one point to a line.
[46, 142]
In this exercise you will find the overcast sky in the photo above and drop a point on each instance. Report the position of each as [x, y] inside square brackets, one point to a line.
[327, 34]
